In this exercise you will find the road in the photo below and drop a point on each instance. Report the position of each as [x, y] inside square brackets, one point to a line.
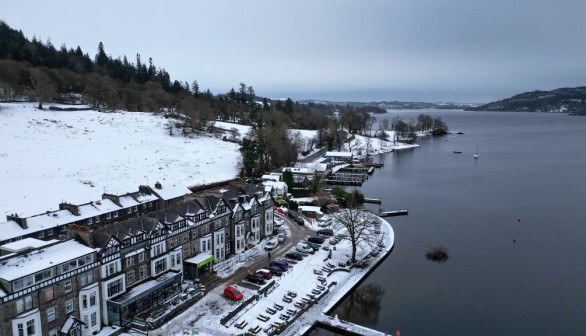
[295, 234]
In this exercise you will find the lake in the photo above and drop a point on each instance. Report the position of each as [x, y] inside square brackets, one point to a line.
[513, 221]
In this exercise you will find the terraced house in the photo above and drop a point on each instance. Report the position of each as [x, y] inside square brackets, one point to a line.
[125, 272]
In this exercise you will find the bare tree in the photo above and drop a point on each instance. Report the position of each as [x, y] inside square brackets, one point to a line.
[358, 226]
[43, 86]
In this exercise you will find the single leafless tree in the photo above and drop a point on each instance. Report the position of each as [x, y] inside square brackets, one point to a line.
[359, 227]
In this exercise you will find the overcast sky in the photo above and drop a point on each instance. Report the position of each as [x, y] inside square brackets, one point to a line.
[423, 50]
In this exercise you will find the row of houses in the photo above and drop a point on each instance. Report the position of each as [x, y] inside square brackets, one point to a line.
[123, 272]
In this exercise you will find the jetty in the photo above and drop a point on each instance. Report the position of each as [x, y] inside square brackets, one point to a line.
[372, 200]
[403, 212]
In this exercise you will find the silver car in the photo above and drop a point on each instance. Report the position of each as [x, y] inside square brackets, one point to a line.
[281, 237]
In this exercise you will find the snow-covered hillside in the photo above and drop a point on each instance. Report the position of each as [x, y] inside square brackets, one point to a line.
[47, 157]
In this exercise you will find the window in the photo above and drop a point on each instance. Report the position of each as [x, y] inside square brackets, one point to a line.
[53, 332]
[41, 234]
[49, 232]
[84, 301]
[150, 204]
[25, 303]
[30, 327]
[186, 237]
[50, 314]
[129, 210]
[227, 248]
[185, 251]
[108, 215]
[89, 221]
[141, 256]
[115, 214]
[67, 287]
[48, 293]
[92, 299]
[141, 272]
[69, 306]
[114, 287]
[94, 319]
[161, 266]
[130, 277]
[128, 261]
[134, 209]
[86, 278]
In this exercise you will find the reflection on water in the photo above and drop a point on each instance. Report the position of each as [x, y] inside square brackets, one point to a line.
[363, 304]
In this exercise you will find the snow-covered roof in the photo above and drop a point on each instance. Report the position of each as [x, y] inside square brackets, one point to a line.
[127, 201]
[270, 177]
[96, 208]
[275, 184]
[27, 243]
[339, 154]
[299, 170]
[41, 259]
[309, 208]
[168, 192]
[338, 167]
[144, 198]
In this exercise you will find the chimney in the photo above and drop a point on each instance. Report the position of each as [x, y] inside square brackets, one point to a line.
[158, 185]
[145, 189]
[20, 221]
[113, 198]
[71, 207]
[82, 232]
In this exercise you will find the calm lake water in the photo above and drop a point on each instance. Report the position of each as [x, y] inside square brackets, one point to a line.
[514, 222]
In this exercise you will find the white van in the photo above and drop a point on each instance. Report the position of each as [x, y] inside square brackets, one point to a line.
[304, 248]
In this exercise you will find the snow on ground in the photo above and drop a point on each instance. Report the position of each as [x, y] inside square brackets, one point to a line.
[47, 157]
[242, 129]
[205, 315]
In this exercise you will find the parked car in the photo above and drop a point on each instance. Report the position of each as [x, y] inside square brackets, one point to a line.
[295, 216]
[281, 237]
[275, 270]
[314, 246]
[232, 293]
[316, 239]
[282, 264]
[294, 256]
[255, 278]
[278, 222]
[325, 232]
[281, 210]
[304, 248]
[271, 244]
[265, 273]
[325, 221]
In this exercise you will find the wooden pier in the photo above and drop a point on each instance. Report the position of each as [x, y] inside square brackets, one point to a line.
[394, 213]
[372, 200]
[373, 164]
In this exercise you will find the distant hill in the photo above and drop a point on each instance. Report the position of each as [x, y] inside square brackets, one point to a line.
[382, 106]
[564, 100]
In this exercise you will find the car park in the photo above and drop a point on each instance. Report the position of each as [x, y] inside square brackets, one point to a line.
[316, 240]
[304, 248]
[275, 270]
[255, 278]
[294, 256]
[281, 237]
[233, 293]
[265, 273]
[282, 264]
[325, 232]
[271, 244]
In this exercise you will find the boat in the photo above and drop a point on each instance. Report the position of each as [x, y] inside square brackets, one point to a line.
[457, 151]
[476, 156]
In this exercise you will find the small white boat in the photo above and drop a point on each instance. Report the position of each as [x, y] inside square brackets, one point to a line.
[476, 156]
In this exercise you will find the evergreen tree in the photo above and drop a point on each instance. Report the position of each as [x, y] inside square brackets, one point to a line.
[101, 57]
[289, 106]
[195, 89]
[265, 105]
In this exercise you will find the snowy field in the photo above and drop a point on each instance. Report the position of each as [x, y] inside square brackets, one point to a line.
[47, 157]
[204, 316]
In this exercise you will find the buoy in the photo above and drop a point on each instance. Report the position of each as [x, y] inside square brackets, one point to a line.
[519, 220]
[514, 241]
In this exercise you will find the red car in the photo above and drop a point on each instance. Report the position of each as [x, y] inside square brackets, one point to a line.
[281, 210]
[265, 273]
[232, 293]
